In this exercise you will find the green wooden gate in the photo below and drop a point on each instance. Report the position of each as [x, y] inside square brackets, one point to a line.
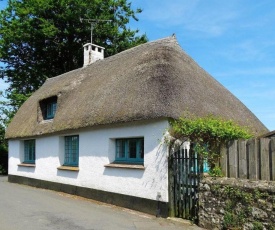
[184, 177]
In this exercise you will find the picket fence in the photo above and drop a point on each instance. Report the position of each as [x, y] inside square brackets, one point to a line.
[249, 159]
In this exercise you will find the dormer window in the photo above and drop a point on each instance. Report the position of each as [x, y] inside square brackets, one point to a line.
[48, 107]
[51, 109]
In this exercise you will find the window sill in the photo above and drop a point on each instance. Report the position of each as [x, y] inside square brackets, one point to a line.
[26, 165]
[126, 166]
[68, 168]
[45, 121]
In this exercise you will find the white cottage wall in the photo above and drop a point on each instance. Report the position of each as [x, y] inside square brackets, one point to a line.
[97, 149]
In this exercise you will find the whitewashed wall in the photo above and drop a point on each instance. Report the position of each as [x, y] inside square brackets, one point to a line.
[96, 149]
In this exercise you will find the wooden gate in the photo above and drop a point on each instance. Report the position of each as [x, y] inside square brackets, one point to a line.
[184, 177]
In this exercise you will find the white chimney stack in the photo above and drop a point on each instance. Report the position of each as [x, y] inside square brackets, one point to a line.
[92, 53]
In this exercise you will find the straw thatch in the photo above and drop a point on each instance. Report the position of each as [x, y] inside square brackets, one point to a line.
[154, 80]
[270, 134]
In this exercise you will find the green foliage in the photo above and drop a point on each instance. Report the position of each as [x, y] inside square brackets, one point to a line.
[216, 171]
[239, 203]
[232, 220]
[3, 142]
[259, 195]
[42, 39]
[3, 150]
[271, 226]
[209, 133]
[8, 108]
[10, 105]
[257, 225]
[208, 129]
[2, 170]
[216, 188]
[238, 195]
[234, 216]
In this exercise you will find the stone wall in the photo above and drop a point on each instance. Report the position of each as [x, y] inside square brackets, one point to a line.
[227, 202]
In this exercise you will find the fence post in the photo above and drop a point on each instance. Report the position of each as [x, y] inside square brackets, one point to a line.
[243, 174]
[264, 159]
[171, 185]
[224, 160]
[233, 159]
[253, 160]
[249, 159]
[272, 156]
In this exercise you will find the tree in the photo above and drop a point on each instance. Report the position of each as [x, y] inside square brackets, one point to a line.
[40, 39]
[3, 142]
[9, 106]
[3, 151]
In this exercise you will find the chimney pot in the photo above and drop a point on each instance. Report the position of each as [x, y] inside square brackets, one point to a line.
[92, 53]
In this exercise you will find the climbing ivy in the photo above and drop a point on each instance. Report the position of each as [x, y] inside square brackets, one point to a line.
[208, 133]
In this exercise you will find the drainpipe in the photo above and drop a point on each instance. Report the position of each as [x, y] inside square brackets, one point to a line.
[158, 206]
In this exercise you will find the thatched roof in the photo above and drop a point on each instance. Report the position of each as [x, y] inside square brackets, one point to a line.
[154, 80]
[270, 134]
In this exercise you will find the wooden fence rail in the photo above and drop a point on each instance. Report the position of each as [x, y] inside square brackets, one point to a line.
[249, 159]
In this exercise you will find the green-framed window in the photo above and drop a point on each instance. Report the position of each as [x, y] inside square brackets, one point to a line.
[29, 151]
[48, 107]
[130, 150]
[51, 109]
[71, 150]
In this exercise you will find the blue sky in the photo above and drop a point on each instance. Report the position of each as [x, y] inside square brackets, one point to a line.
[232, 40]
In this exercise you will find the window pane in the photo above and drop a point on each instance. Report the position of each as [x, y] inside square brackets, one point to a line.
[50, 109]
[133, 148]
[141, 149]
[29, 151]
[53, 108]
[130, 150]
[120, 148]
[32, 150]
[71, 150]
[67, 150]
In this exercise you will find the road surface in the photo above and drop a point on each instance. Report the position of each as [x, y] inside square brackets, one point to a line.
[28, 208]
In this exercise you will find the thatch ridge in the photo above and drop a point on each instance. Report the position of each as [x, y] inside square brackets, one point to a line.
[154, 80]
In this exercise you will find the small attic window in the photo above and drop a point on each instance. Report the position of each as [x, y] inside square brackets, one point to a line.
[48, 107]
[51, 109]
[99, 50]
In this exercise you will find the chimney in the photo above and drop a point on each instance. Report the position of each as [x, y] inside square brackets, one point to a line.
[92, 53]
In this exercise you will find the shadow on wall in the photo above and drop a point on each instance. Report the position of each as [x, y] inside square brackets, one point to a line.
[67, 173]
[26, 169]
[160, 167]
[120, 172]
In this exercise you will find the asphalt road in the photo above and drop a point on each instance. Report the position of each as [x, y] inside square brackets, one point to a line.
[27, 208]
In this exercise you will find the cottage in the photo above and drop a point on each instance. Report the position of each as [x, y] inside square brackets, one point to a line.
[270, 134]
[97, 131]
